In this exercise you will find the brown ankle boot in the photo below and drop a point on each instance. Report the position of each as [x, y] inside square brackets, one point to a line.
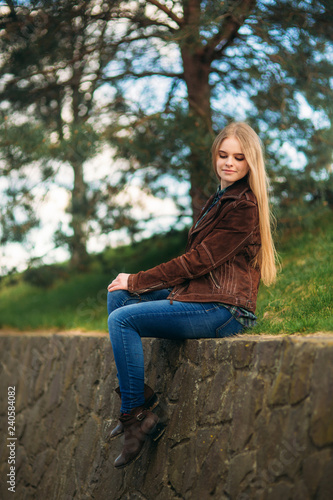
[151, 401]
[138, 424]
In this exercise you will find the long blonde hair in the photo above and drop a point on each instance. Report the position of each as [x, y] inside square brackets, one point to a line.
[253, 150]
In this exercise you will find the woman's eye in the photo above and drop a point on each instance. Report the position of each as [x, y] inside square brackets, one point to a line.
[239, 159]
[223, 156]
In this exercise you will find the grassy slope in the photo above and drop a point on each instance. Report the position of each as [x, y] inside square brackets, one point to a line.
[300, 301]
[302, 298]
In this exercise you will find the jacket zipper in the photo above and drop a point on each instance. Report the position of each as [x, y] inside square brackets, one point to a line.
[173, 294]
[148, 289]
[214, 280]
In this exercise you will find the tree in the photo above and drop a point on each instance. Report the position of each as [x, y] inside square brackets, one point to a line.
[268, 62]
[272, 59]
[53, 55]
[17, 216]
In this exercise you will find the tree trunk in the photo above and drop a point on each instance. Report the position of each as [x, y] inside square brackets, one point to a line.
[79, 209]
[78, 246]
[197, 58]
[203, 179]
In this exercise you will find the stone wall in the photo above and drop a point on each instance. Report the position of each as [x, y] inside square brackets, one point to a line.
[248, 418]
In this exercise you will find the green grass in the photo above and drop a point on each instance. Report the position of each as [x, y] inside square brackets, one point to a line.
[302, 298]
[79, 300]
[299, 302]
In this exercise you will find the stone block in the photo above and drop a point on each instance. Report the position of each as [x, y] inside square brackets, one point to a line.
[62, 420]
[300, 491]
[266, 355]
[33, 438]
[53, 394]
[182, 477]
[203, 353]
[193, 351]
[212, 461]
[301, 373]
[166, 493]
[87, 449]
[321, 422]
[223, 350]
[107, 401]
[71, 368]
[40, 464]
[313, 468]
[276, 455]
[215, 399]
[242, 354]
[279, 394]
[184, 417]
[59, 478]
[107, 358]
[279, 491]
[325, 488]
[176, 384]
[240, 466]
[158, 459]
[134, 495]
[248, 397]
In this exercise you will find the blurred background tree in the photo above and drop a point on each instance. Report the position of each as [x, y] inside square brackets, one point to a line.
[174, 73]
[267, 62]
[53, 55]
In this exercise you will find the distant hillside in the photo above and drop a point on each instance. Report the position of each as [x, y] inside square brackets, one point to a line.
[300, 301]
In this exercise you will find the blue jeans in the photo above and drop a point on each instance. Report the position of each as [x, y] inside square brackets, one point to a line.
[151, 315]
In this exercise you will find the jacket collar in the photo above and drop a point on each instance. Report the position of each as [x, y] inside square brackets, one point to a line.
[235, 191]
[238, 188]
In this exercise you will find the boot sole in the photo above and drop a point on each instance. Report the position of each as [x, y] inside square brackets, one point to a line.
[115, 436]
[150, 405]
[158, 431]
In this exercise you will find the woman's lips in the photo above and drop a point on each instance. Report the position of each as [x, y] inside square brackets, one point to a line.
[228, 171]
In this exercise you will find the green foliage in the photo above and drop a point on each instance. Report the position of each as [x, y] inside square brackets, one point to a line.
[20, 145]
[163, 145]
[45, 276]
[52, 56]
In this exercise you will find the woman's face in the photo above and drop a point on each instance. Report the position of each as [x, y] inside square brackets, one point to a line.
[231, 164]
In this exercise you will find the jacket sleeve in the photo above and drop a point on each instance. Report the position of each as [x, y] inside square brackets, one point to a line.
[230, 235]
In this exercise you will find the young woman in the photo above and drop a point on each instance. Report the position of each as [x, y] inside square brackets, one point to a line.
[214, 283]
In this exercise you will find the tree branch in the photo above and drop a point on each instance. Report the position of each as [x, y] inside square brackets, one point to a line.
[87, 51]
[143, 74]
[131, 17]
[12, 9]
[228, 30]
[167, 11]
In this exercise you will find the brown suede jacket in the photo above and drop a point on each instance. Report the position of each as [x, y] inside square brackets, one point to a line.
[216, 265]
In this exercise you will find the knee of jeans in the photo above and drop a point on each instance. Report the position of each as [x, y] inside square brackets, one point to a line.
[115, 321]
[115, 300]
[110, 302]
[110, 321]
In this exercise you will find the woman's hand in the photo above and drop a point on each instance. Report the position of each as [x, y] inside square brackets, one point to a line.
[119, 283]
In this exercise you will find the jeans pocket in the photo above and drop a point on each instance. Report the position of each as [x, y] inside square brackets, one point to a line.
[229, 329]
